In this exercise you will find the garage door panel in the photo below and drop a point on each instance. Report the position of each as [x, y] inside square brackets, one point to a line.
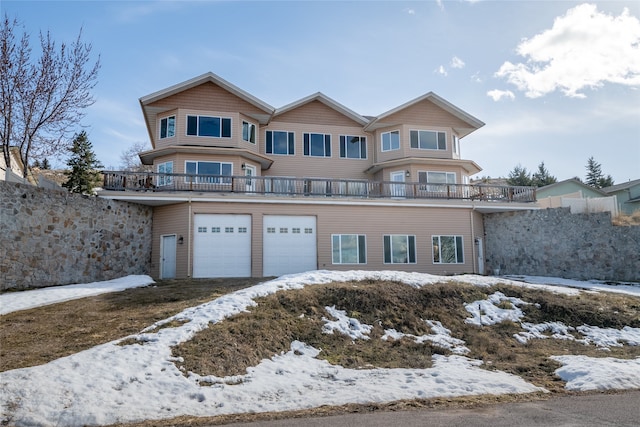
[290, 244]
[222, 245]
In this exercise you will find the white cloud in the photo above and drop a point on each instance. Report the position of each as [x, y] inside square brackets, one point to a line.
[441, 70]
[585, 48]
[497, 94]
[411, 11]
[457, 62]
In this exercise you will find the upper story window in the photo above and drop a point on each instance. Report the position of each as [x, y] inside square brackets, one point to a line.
[168, 127]
[456, 144]
[217, 127]
[317, 144]
[391, 140]
[211, 170]
[279, 142]
[353, 147]
[428, 140]
[165, 168]
[248, 132]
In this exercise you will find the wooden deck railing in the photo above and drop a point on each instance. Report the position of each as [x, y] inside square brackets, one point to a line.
[317, 187]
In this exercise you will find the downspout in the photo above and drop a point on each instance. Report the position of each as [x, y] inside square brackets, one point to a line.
[473, 242]
[189, 267]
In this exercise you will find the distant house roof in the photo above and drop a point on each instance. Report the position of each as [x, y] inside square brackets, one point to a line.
[569, 186]
[622, 186]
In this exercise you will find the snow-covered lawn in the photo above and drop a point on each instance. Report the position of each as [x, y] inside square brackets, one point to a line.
[113, 383]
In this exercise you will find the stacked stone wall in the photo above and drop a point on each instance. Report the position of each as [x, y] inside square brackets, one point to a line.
[52, 237]
[554, 242]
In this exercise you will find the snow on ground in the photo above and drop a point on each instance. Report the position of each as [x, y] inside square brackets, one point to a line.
[15, 301]
[598, 373]
[113, 383]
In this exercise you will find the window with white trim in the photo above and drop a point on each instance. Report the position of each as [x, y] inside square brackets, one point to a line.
[353, 147]
[348, 249]
[391, 140]
[168, 127]
[216, 127]
[456, 144]
[428, 140]
[248, 132]
[317, 144]
[438, 179]
[211, 171]
[165, 171]
[280, 142]
[447, 250]
[399, 249]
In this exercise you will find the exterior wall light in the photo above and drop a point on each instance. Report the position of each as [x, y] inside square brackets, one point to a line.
[407, 173]
[180, 240]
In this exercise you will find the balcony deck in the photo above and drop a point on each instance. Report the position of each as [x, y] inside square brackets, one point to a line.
[310, 187]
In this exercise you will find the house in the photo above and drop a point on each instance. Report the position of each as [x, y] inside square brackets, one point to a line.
[627, 194]
[569, 188]
[240, 188]
[15, 172]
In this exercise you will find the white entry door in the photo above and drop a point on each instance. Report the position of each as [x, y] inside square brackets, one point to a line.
[168, 257]
[250, 184]
[480, 255]
[289, 244]
[398, 190]
[221, 245]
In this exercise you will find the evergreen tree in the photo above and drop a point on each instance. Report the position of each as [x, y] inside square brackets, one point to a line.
[82, 176]
[542, 177]
[519, 176]
[45, 164]
[595, 178]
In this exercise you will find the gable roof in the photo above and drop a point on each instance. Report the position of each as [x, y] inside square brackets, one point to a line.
[473, 122]
[207, 78]
[320, 97]
[622, 186]
[570, 182]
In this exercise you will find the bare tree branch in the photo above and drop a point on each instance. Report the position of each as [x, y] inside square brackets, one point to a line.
[43, 101]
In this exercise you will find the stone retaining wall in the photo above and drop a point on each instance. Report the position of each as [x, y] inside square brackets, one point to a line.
[554, 242]
[52, 237]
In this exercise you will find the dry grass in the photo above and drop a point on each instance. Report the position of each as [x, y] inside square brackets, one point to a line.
[627, 220]
[228, 348]
[37, 336]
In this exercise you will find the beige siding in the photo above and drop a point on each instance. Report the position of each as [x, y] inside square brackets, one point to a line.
[426, 113]
[316, 113]
[168, 220]
[299, 165]
[372, 221]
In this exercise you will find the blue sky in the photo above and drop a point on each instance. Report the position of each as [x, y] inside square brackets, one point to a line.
[554, 81]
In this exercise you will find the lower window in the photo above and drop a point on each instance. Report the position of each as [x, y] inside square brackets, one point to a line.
[447, 250]
[399, 249]
[210, 171]
[349, 249]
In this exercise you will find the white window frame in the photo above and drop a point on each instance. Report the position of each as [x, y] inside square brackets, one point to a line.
[436, 247]
[288, 133]
[410, 241]
[362, 146]
[306, 144]
[437, 132]
[208, 179]
[361, 249]
[199, 116]
[390, 148]
[440, 187]
[170, 131]
[165, 168]
[249, 126]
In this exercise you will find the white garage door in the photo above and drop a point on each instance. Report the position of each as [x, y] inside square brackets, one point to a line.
[289, 244]
[221, 245]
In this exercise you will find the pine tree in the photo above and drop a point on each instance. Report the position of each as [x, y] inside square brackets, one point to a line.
[519, 176]
[595, 178]
[82, 176]
[542, 177]
[45, 164]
